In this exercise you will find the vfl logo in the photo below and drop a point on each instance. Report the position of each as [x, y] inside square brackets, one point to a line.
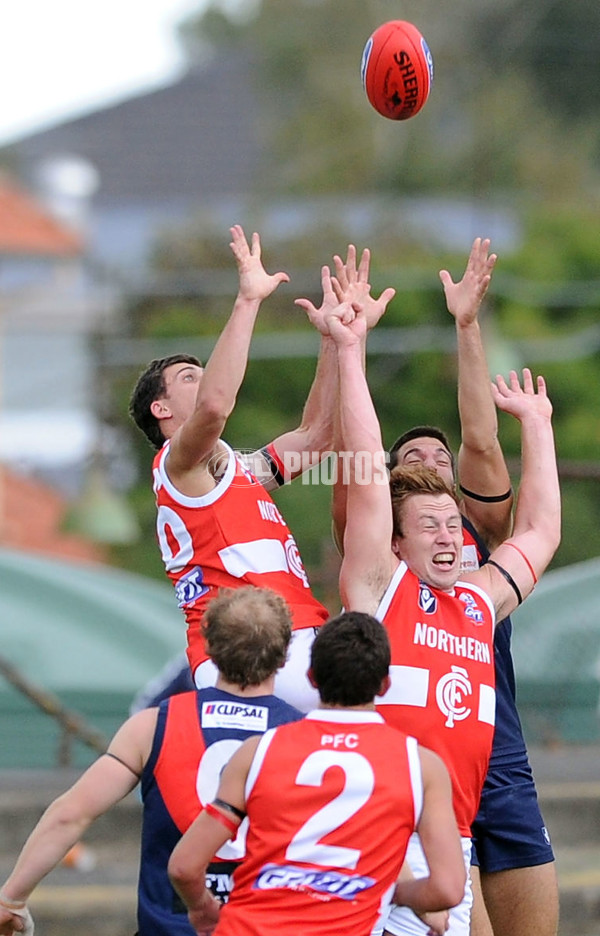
[471, 609]
[427, 600]
[449, 694]
[190, 587]
[247, 471]
[294, 561]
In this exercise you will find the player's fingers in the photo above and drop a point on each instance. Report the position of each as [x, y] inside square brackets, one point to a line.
[305, 304]
[527, 380]
[351, 257]
[364, 265]
[514, 382]
[337, 289]
[255, 250]
[500, 384]
[340, 270]
[281, 277]
[446, 279]
[387, 295]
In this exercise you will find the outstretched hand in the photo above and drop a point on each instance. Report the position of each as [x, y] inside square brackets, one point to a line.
[347, 325]
[465, 297]
[318, 316]
[255, 283]
[351, 284]
[521, 402]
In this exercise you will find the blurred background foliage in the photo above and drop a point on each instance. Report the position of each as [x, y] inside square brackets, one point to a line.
[512, 125]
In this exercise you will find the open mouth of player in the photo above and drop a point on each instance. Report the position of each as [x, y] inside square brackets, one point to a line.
[444, 560]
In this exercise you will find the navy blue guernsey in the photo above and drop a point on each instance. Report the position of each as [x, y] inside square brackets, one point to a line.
[508, 742]
[196, 734]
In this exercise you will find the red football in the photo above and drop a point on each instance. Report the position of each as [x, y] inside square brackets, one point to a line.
[397, 70]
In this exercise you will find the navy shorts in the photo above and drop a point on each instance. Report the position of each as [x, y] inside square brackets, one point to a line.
[509, 830]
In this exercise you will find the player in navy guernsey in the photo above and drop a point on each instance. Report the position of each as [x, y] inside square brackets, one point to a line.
[513, 863]
[177, 751]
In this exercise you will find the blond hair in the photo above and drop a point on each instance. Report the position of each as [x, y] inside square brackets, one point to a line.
[405, 482]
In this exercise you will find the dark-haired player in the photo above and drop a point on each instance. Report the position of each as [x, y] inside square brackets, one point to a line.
[217, 524]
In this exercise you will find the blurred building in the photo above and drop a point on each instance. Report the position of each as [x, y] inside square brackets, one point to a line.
[53, 302]
[195, 151]
[161, 158]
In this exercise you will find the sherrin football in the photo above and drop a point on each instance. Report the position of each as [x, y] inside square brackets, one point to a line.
[397, 70]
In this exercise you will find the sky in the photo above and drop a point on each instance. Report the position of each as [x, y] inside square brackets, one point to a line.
[61, 58]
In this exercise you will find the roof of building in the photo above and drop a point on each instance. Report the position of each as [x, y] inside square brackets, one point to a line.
[32, 518]
[26, 228]
[196, 137]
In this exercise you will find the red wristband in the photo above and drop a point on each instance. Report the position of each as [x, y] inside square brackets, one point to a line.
[277, 461]
[224, 820]
[529, 566]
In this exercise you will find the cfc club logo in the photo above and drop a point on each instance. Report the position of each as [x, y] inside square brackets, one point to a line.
[449, 695]
[294, 561]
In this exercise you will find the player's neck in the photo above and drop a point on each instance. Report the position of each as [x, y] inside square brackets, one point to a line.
[369, 707]
[264, 688]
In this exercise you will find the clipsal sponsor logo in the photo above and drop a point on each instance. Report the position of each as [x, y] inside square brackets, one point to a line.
[235, 715]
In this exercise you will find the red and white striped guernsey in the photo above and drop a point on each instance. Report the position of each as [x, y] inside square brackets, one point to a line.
[443, 680]
[230, 537]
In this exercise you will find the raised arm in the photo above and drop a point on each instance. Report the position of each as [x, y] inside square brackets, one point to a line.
[351, 284]
[63, 823]
[515, 566]
[196, 440]
[368, 562]
[301, 448]
[482, 471]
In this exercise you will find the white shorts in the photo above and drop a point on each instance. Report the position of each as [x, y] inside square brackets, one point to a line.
[291, 682]
[403, 922]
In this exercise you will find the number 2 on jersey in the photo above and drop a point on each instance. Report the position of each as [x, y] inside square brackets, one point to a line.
[359, 781]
